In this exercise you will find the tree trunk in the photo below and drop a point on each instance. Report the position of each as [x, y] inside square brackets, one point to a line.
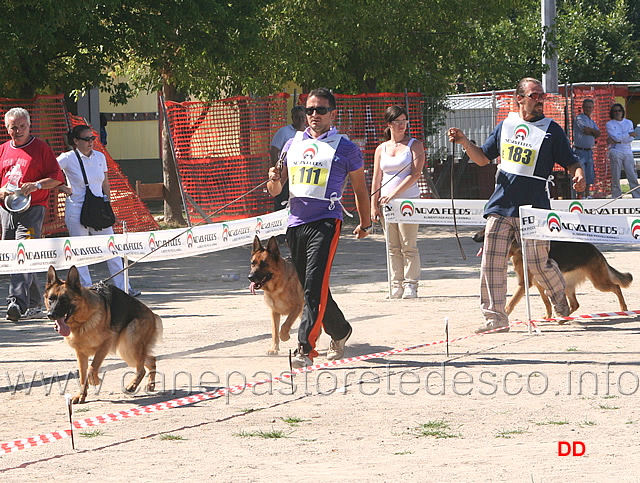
[173, 205]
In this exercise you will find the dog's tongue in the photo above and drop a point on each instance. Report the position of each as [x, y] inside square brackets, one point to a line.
[62, 328]
[252, 287]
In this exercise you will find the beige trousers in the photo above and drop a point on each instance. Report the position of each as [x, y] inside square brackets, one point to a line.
[404, 259]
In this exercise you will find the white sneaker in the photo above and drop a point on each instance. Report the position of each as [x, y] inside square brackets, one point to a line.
[300, 360]
[494, 324]
[336, 347]
[410, 292]
[396, 293]
[33, 313]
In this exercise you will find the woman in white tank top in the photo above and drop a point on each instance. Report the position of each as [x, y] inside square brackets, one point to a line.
[397, 165]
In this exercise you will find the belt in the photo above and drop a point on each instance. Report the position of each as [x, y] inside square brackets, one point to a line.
[582, 149]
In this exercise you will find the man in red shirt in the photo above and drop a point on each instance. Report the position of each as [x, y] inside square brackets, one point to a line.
[29, 164]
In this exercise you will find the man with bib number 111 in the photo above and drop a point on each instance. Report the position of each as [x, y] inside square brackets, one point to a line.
[529, 144]
[317, 164]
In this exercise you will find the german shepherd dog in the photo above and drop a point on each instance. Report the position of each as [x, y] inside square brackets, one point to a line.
[100, 320]
[577, 261]
[282, 289]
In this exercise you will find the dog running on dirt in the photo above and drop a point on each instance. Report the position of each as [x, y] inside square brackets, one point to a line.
[100, 320]
[282, 289]
[577, 261]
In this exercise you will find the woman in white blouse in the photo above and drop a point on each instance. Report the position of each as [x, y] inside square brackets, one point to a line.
[397, 165]
[620, 133]
[81, 139]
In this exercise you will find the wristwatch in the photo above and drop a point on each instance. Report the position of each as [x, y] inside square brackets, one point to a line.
[367, 229]
[39, 185]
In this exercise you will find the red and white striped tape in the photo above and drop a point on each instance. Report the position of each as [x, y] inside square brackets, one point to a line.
[12, 446]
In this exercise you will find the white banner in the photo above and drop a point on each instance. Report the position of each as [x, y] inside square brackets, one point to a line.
[434, 212]
[469, 212]
[36, 255]
[576, 226]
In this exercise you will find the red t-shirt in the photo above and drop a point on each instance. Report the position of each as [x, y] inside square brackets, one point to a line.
[32, 162]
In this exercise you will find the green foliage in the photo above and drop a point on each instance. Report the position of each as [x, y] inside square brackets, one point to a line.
[597, 42]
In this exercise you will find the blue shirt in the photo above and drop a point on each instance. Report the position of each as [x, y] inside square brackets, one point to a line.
[513, 191]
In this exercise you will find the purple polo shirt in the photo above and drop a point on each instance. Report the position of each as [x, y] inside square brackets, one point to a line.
[347, 158]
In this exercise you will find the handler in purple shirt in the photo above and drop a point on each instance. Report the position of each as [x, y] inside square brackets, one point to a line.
[318, 162]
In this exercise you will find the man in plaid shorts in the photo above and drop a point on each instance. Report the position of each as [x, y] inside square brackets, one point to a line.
[529, 144]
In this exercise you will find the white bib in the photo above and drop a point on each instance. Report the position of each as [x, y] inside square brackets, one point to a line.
[309, 166]
[520, 143]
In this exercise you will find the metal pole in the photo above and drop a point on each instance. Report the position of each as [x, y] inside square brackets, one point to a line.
[549, 78]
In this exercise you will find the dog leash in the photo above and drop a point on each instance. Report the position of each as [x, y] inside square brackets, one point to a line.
[611, 201]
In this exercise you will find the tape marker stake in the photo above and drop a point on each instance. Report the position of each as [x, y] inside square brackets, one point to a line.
[67, 398]
[446, 333]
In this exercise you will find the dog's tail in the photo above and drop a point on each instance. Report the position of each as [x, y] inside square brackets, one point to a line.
[159, 328]
[622, 279]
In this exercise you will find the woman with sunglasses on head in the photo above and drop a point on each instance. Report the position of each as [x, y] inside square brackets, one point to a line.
[81, 139]
[620, 133]
[397, 165]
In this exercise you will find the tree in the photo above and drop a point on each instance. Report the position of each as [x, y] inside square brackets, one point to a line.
[358, 46]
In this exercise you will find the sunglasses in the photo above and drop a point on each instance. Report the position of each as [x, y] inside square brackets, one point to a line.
[399, 122]
[320, 110]
[536, 96]
[89, 138]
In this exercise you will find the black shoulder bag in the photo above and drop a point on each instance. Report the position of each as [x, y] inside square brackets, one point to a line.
[96, 212]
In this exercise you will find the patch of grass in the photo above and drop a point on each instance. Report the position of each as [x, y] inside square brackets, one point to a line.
[610, 396]
[438, 429]
[81, 410]
[604, 406]
[589, 423]
[92, 434]
[250, 410]
[403, 452]
[506, 433]
[171, 437]
[556, 423]
[273, 434]
[572, 349]
[294, 421]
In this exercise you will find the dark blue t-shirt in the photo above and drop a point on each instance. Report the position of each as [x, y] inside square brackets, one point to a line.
[512, 190]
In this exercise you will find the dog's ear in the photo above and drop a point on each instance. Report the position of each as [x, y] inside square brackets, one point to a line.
[73, 279]
[52, 276]
[272, 247]
[256, 244]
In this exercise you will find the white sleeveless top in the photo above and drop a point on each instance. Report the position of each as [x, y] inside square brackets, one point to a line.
[390, 165]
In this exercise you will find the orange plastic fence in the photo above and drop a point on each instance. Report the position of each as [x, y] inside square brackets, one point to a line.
[557, 107]
[222, 147]
[49, 122]
[222, 152]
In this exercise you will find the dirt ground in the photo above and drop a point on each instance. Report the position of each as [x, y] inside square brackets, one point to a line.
[494, 409]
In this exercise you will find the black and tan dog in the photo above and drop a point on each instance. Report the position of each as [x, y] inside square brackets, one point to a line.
[101, 320]
[282, 289]
[578, 261]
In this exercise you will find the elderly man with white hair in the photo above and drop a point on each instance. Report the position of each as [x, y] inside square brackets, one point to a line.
[28, 164]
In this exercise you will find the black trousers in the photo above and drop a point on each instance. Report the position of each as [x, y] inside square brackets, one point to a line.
[313, 247]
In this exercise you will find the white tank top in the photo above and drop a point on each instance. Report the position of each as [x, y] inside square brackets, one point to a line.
[390, 165]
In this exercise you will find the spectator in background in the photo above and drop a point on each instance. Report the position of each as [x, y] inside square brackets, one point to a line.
[103, 129]
[29, 164]
[81, 139]
[620, 133]
[397, 165]
[585, 132]
[298, 123]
